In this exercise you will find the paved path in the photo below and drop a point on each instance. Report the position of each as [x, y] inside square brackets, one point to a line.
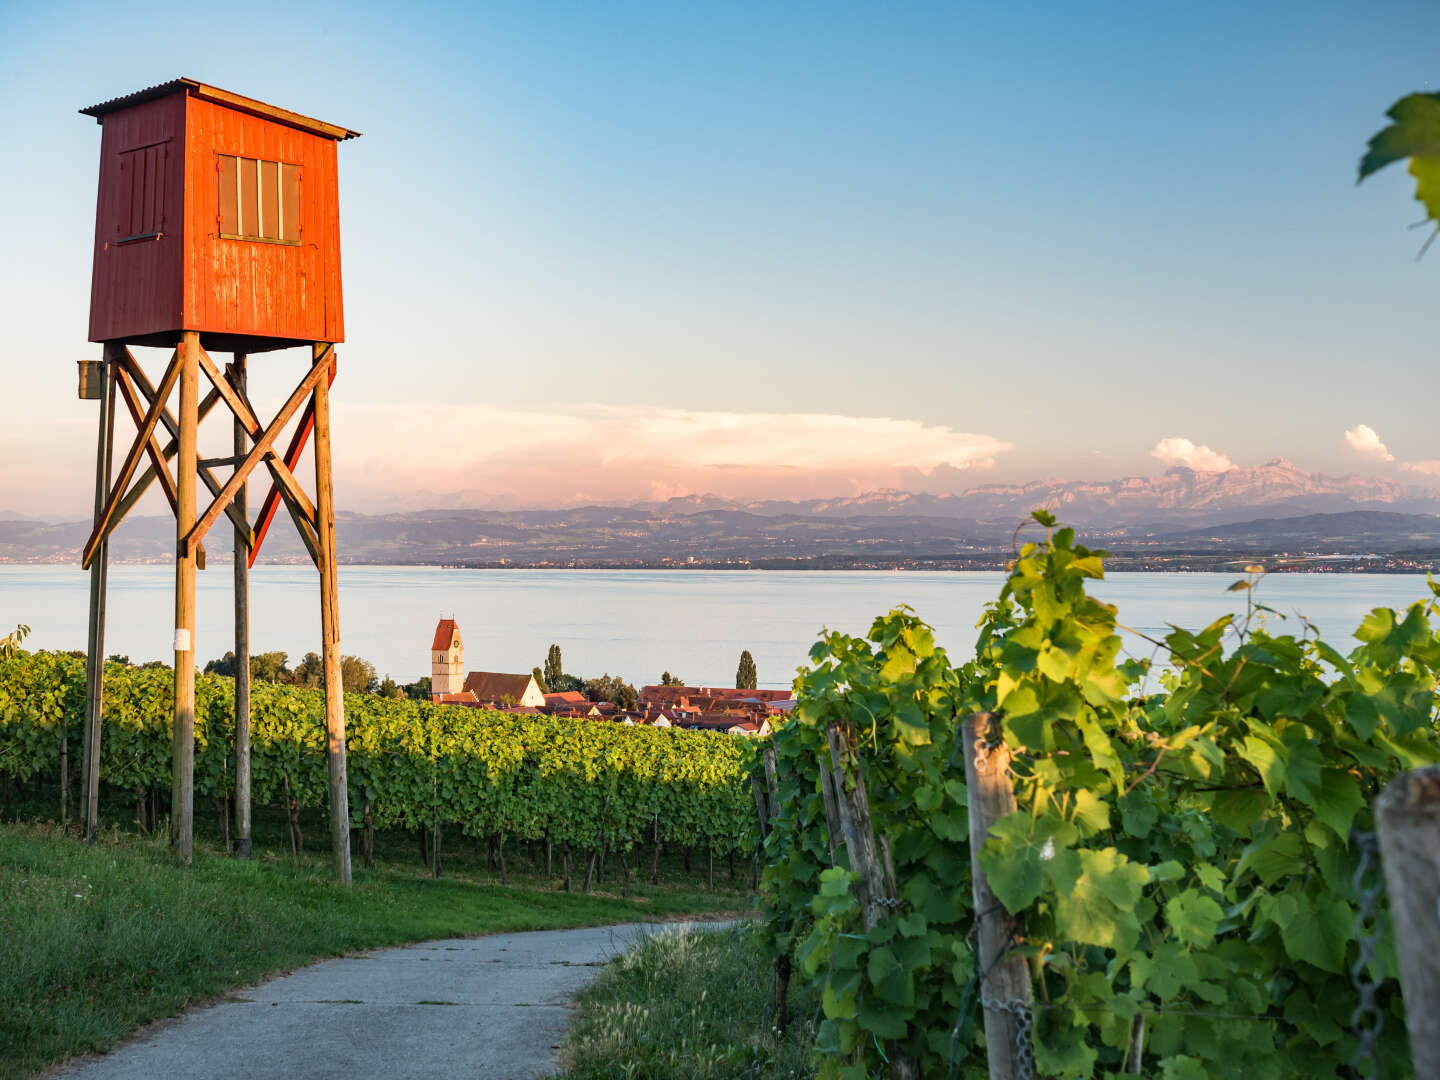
[488, 1008]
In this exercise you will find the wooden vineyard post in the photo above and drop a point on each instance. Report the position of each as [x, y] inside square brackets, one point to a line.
[330, 628]
[772, 781]
[1407, 821]
[182, 784]
[876, 889]
[95, 641]
[762, 812]
[1005, 980]
[242, 639]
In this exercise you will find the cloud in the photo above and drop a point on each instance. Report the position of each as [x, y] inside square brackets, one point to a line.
[1363, 440]
[1429, 467]
[549, 455]
[1180, 451]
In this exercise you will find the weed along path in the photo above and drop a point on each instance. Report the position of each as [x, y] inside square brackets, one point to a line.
[486, 1007]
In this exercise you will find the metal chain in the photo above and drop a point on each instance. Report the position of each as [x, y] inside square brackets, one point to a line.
[885, 902]
[1367, 1020]
[1024, 1040]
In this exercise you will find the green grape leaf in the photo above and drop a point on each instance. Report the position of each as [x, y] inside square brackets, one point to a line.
[1193, 918]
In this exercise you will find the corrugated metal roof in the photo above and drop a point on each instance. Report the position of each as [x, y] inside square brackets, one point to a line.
[222, 97]
[150, 93]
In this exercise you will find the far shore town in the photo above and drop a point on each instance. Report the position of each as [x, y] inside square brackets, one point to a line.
[735, 710]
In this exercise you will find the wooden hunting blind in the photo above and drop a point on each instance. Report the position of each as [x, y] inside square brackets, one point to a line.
[217, 213]
[217, 228]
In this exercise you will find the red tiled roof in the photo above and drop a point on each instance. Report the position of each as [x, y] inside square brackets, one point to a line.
[565, 697]
[464, 697]
[445, 632]
[496, 685]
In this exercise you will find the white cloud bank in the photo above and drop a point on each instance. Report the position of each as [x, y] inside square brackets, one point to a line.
[1181, 451]
[1364, 440]
[568, 453]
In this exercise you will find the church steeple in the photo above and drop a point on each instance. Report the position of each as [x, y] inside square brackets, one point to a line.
[447, 659]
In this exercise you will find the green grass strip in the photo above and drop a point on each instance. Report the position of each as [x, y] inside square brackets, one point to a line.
[97, 940]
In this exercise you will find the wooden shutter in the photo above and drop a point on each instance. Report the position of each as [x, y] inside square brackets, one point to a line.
[229, 196]
[259, 200]
[142, 215]
[290, 203]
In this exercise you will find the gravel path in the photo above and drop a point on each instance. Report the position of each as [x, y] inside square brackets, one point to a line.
[482, 1008]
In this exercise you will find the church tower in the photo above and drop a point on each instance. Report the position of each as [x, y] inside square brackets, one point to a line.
[447, 659]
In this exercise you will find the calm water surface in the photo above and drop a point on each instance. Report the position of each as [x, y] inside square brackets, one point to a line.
[633, 623]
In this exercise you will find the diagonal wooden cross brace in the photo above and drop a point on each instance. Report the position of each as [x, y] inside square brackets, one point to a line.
[303, 429]
[142, 485]
[302, 511]
[264, 440]
[127, 361]
[246, 415]
[107, 520]
[157, 459]
[298, 508]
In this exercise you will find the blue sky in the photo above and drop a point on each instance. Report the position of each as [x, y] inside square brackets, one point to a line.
[617, 251]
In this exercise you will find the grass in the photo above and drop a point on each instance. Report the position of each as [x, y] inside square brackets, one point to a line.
[101, 939]
[691, 1003]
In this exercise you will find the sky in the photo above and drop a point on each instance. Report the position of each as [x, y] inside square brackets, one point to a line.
[615, 252]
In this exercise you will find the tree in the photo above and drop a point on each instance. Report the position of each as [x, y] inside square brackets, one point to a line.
[225, 665]
[540, 680]
[565, 683]
[666, 679]
[745, 673]
[118, 658]
[613, 689]
[309, 672]
[389, 688]
[269, 667]
[554, 668]
[419, 690]
[357, 675]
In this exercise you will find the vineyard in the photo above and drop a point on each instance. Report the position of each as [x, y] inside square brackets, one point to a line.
[1178, 887]
[575, 784]
[1181, 883]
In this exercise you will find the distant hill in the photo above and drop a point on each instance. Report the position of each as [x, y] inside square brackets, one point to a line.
[1179, 495]
[1351, 532]
[1273, 507]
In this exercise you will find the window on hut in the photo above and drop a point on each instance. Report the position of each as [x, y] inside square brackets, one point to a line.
[259, 200]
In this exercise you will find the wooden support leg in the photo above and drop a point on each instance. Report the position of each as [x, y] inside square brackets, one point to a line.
[330, 631]
[95, 643]
[242, 641]
[182, 783]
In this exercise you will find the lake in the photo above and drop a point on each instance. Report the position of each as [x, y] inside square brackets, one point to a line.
[630, 623]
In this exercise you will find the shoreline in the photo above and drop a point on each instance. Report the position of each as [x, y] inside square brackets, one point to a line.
[1122, 562]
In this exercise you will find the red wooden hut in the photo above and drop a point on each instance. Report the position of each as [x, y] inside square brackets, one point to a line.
[217, 213]
[217, 229]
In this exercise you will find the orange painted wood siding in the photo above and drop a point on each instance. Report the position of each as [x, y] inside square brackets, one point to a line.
[247, 286]
[136, 287]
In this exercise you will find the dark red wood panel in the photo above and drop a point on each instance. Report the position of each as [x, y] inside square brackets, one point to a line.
[136, 285]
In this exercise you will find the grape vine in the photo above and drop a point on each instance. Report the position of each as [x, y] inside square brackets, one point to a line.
[1182, 849]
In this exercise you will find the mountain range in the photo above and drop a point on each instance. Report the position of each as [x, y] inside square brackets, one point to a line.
[1271, 507]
